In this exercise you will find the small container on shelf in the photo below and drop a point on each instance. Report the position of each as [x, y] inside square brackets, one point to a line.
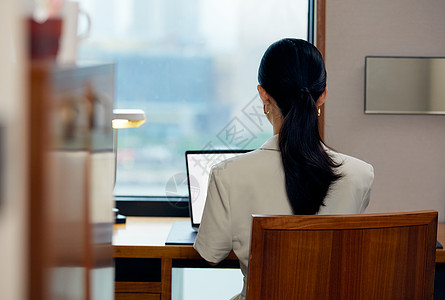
[45, 29]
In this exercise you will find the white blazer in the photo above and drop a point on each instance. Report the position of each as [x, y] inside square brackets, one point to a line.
[253, 183]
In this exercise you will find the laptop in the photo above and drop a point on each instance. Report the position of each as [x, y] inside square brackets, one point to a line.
[198, 165]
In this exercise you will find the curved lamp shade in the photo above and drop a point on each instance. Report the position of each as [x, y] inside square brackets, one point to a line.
[128, 118]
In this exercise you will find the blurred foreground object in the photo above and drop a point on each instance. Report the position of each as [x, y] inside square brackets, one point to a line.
[70, 36]
[44, 28]
[71, 181]
[44, 38]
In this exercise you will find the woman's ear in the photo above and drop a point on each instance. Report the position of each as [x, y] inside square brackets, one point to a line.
[322, 97]
[263, 95]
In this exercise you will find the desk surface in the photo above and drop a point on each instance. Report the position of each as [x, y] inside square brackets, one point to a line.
[145, 237]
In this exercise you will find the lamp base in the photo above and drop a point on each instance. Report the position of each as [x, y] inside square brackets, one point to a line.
[118, 218]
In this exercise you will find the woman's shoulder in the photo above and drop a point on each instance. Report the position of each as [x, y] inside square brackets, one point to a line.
[248, 162]
[242, 159]
[351, 164]
[263, 155]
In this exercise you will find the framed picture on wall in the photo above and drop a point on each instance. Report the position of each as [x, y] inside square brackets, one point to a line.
[2, 167]
[404, 85]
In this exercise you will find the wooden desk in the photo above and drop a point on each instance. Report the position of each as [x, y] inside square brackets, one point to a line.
[144, 238]
[440, 254]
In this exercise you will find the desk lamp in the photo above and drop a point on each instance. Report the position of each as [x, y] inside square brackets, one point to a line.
[124, 118]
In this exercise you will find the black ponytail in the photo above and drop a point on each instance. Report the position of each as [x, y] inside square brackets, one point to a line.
[292, 72]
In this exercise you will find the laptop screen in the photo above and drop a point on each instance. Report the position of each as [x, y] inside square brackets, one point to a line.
[199, 165]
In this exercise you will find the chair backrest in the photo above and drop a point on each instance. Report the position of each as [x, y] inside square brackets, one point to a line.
[372, 256]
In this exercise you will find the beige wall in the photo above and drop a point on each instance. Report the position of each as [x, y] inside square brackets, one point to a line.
[408, 152]
[13, 120]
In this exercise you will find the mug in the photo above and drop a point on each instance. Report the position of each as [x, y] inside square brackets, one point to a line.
[70, 36]
[44, 38]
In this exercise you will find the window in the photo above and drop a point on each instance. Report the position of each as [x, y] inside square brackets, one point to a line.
[191, 65]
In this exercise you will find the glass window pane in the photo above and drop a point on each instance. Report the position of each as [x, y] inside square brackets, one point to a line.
[191, 65]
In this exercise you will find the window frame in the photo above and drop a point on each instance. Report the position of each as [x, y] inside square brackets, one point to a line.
[164, 206]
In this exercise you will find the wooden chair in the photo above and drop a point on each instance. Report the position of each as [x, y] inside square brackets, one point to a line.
[373, 256]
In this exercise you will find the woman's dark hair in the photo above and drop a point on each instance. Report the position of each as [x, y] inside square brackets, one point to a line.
[292, 71]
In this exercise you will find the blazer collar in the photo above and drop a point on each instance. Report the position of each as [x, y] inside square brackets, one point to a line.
[271, 144]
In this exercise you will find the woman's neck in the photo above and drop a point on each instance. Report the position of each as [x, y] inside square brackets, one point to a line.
[277, 123]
